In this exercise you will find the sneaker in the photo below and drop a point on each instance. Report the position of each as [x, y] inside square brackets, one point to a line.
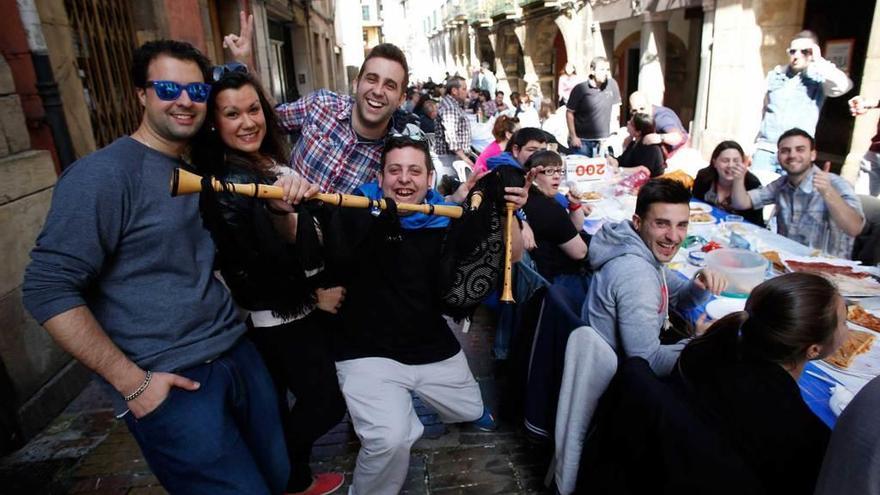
[323, 484]
[486, 421]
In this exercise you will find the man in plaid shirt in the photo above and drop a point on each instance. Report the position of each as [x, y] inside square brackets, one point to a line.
[342, 137]
[453, 135]
[814, 207]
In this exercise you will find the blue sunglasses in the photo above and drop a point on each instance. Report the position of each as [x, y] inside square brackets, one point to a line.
[170, 90]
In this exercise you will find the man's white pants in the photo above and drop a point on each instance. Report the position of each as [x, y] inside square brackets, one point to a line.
[377, 392]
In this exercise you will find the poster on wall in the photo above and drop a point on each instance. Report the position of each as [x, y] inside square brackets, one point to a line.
[840, 53]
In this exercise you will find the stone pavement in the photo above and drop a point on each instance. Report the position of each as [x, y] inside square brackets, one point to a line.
[85, 450]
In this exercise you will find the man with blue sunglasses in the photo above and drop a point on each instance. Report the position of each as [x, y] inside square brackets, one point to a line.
[122, 278]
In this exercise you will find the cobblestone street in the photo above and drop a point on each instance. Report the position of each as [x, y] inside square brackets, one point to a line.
[85, 450]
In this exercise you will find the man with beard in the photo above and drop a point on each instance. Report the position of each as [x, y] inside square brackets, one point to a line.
[593, 107]
[814, 207]
[122, 278]
[632, 290]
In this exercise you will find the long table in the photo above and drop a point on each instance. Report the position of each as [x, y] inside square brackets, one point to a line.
[816, 391]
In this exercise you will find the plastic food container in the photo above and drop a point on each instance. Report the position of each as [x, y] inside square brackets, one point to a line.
[697, 258]
[743, 269]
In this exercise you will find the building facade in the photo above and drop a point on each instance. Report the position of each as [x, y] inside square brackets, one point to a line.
[705, 59]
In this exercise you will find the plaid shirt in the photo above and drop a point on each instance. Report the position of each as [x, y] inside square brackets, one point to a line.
[801, 214]
[329, 153]
[453, 131]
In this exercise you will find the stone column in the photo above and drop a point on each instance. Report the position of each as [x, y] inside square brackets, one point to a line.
[500, 71]
[448, 51]
[653, 61]
[522, 34]
[607, 37]
[574, 25]
[472, 44]
[598, 36]
[865, 125]
[706, 41]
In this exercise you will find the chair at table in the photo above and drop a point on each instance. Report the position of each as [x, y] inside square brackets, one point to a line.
[559, 316]
[463, 170]
[866, 247]
[590, 364]
[650, 439]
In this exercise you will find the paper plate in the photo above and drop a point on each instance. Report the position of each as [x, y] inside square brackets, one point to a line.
[723, 306]
[707, 222]
[694, 205]
[600, 198]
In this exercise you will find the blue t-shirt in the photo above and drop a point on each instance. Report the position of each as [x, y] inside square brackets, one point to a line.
[116, 241]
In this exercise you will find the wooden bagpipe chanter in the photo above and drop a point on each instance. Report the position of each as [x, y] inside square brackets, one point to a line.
[479, 247]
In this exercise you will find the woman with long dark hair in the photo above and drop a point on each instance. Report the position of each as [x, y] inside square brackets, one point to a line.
[742, 373]
[715, 182]
[241, 143]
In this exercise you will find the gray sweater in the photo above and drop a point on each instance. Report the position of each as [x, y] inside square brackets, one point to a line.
[625, 302]
[116, 241]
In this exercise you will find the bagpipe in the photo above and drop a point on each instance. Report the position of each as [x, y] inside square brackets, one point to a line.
[479, 245]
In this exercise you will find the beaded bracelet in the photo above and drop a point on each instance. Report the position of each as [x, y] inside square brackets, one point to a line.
[137, 393]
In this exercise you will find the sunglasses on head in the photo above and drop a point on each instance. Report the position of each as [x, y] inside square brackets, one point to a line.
[220, 70]
[170, 90]
[807, 52]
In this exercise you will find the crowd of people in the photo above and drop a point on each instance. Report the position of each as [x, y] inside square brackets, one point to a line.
[344, 308]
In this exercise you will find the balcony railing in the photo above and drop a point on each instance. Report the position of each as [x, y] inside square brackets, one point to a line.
[478, 11]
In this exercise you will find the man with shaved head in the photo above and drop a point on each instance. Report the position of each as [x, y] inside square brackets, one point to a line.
[669, 131]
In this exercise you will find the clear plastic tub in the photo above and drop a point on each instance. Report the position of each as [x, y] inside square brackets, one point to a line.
[743, 269]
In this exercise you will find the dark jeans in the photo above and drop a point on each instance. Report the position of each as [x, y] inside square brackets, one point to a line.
[299, 360]
[224, 438]
[591, 148]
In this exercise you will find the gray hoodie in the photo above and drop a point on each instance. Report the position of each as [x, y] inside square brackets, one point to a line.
[625, 303]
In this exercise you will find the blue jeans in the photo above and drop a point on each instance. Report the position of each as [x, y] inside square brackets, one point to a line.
[576, 286]
[591, 148]
[225, 437]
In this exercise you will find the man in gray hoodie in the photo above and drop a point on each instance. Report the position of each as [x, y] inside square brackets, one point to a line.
[629, 298]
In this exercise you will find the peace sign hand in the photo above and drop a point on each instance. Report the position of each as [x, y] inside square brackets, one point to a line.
[241, 45]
